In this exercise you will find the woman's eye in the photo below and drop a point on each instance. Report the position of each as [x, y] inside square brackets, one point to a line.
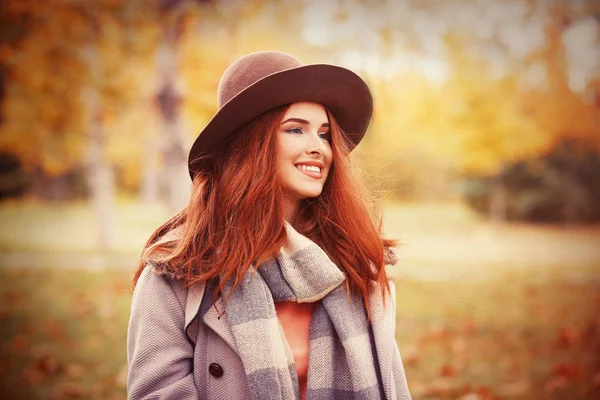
[294, 130]
[325, 136]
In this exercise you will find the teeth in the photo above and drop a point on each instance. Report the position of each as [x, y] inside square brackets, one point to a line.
[312, 168]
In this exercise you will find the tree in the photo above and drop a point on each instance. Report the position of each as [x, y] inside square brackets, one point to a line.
[69, 78]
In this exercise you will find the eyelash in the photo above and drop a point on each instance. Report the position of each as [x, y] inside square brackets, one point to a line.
[324, 136]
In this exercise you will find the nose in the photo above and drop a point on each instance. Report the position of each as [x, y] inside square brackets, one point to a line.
[315, 144]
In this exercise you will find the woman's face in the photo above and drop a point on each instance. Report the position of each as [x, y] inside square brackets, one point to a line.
[304, 156]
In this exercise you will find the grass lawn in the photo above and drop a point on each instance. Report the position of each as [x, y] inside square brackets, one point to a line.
[484, 311]
[519, 336]
[63, 335]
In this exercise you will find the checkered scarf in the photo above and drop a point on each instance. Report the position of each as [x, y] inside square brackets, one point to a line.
[342, 357]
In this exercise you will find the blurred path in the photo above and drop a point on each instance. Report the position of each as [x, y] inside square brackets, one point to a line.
[438, 241]
[70, 260]
[447, 242]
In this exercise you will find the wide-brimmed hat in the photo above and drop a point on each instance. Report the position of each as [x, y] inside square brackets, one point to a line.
[261, 81]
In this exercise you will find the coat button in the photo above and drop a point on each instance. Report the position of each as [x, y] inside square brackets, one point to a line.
[215, 370]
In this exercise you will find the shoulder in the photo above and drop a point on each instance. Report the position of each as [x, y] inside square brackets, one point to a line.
[161, 293]
[156, 284]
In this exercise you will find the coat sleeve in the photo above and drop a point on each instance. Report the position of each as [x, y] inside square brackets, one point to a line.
[159, 356]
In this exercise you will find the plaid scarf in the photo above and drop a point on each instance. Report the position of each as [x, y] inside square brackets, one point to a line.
[342, 356]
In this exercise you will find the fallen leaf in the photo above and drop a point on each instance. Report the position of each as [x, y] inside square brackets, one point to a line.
[31, 377]
[465, 389]
[566, 337]
[468, 328]
[484, 392]
[75, 370]
[19, 344]
[83, 307]
[514, 389]
[69, 390]
[554, 384]
[567, 371]
[410, 355]
[48, 365]
[448, 371]
[470, 396]
[54, 329]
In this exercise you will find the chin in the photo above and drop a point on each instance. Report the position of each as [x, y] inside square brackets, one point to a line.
[312, 195]
[308, 193]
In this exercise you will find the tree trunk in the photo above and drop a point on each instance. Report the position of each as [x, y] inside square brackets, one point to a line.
[497, 200]
[150, 174]
[99, 172]
[575, 197]
[176, 180]
[99, 175]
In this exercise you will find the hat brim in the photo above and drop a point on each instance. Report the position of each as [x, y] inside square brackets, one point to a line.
[343, 92]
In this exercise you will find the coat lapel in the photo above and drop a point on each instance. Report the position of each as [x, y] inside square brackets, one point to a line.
[211, 318]
[192, 305]
[219, 324]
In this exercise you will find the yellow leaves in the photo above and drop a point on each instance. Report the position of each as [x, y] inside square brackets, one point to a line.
[54, 165]
[70, 48]
[473, 121]
[127, 138]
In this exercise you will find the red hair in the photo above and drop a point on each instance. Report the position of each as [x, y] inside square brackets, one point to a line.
[235, 218]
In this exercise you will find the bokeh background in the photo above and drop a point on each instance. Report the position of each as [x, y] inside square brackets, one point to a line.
[484, 151]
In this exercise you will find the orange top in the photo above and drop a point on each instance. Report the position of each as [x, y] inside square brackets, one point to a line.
[295, 320]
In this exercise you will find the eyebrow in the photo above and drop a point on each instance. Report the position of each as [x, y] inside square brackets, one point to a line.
[304, 122]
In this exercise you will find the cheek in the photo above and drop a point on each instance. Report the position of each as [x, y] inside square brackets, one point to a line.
[329, 157]
[283, 147]
[284, 158]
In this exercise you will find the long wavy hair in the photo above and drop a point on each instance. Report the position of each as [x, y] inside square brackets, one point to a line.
[235, 218]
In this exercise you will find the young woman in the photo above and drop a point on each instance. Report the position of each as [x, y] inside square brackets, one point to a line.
[271, 283]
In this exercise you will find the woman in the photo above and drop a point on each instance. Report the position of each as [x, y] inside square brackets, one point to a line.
[271, 283]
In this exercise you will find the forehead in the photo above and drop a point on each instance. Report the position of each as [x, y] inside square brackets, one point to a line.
[306, 110]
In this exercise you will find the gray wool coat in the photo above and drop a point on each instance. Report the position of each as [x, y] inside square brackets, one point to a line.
[179, 348]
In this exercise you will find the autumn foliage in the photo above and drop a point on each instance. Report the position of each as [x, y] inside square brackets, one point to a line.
[73, 65]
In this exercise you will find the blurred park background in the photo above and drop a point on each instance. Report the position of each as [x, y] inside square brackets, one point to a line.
[485, 151]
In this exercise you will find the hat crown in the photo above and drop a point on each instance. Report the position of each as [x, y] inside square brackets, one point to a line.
[247, 70]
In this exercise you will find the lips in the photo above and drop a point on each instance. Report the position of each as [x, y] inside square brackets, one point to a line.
[311, 169]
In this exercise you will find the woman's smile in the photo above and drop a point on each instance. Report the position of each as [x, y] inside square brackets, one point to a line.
[311, 169]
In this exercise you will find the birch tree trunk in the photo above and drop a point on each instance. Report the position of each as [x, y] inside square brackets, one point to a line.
[498, 200]
[149, 187]
[177, 181]
[99, 172]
